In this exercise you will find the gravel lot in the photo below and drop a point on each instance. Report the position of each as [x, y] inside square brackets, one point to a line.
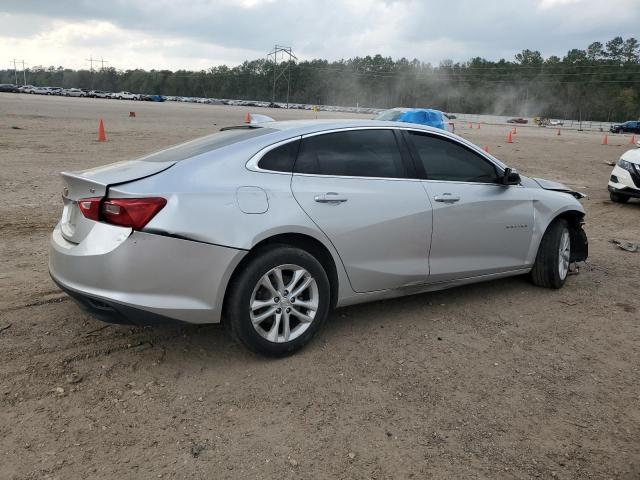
[495, 380]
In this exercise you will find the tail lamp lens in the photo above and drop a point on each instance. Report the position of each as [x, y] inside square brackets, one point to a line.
[126, 212]
[90, 207]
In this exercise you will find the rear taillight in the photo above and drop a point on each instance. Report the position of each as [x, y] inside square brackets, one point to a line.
[90, 207]
[125, 212]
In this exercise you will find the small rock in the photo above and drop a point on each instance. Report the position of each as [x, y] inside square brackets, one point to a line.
[293, 462]
[74, 377]
[137, 392]
[352, 455]
[197, 449]
[59, 391]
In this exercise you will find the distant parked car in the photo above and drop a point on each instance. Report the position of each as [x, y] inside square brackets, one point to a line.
[40, 91]
[98, 94]
[74, 92]
[518, 120]
[631, 126]
[126, 96]
[54, 90]
[420, 116]
[26, 88]
[9, 87]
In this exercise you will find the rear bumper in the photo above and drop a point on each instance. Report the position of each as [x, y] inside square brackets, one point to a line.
[113, 312]
[137, 277]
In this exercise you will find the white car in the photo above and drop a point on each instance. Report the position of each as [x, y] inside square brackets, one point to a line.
[624, 182]
[74, 92]
[126, 96]
[40, 91]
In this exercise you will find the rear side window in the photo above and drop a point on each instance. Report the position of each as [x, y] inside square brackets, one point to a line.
[446, 160]
[281, 158]
[353, 153]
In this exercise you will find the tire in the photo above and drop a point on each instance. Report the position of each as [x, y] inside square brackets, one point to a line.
[270, 336]
[548, 269]
[618, 197]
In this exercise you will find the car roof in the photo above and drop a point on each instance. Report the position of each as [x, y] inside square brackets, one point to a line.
[304, 127]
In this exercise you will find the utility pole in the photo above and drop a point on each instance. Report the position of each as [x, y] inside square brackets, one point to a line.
[15, 71]
[90, 60]
[285, 51]
[102, 62]
[24, 73]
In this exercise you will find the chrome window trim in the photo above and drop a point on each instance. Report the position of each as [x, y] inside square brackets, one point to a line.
[252, 163]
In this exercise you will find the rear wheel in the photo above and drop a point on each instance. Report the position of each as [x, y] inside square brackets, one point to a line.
[278, 301]
[554, 255]
[618, 197]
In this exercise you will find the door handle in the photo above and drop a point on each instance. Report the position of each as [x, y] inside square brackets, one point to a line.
[447, 198]
[330, 197]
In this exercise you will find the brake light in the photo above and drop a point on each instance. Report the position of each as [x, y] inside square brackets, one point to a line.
[90, 207]
[131, 212]
[125, 212]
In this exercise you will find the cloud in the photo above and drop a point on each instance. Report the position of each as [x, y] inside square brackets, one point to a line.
[201, 33]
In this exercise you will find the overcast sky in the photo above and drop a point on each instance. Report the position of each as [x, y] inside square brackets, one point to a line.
[200, 33]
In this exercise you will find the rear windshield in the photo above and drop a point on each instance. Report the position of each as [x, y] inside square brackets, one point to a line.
[205, 144]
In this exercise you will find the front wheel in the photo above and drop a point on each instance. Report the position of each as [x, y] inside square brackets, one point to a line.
[278, 301]
[618, 198]
[554, 255]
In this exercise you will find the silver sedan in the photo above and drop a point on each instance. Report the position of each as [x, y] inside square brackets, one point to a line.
[267, 227]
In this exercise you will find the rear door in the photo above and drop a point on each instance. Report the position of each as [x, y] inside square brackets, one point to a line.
[479, 226]
[356, 186]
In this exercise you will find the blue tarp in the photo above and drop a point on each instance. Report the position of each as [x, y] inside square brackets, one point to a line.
[423, 116]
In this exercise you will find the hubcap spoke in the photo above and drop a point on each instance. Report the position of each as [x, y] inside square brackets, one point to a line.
[306, 304]
[277, 272]
[265, 281]
[258, 304]
[303, 286]
[286, 327]
[257, 319]
[303, 317]
[297, 275]
[272, 335]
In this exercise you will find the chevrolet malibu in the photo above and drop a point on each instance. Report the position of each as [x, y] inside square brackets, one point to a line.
[267, 227]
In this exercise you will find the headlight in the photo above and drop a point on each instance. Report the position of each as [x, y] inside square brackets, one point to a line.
[628, 166]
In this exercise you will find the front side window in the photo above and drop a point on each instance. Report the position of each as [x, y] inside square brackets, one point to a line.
[446, 160]
[353, 153]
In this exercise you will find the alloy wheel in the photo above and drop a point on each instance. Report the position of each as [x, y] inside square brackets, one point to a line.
[284, 303]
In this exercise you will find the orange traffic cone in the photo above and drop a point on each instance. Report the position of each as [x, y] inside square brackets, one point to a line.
[247, 119]
[478, 127]
[486, 148]
[510, 137]
[633, 140]
[605, 140]
[102, 137]
[558, 134]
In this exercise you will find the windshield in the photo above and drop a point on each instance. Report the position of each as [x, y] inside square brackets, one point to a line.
[390, 115]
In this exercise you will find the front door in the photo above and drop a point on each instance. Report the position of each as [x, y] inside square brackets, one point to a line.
[479, 226]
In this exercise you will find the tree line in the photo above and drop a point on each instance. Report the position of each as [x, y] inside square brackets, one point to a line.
[601, 82]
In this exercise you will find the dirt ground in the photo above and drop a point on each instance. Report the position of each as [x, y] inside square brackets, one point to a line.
[495, 380]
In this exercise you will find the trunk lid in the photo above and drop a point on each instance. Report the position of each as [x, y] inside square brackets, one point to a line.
[94, 183]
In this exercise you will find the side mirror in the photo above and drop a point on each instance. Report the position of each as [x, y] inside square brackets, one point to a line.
[510, 177]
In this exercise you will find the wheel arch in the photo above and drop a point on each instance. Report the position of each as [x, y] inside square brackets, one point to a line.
[579, 242]
[300, 240]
